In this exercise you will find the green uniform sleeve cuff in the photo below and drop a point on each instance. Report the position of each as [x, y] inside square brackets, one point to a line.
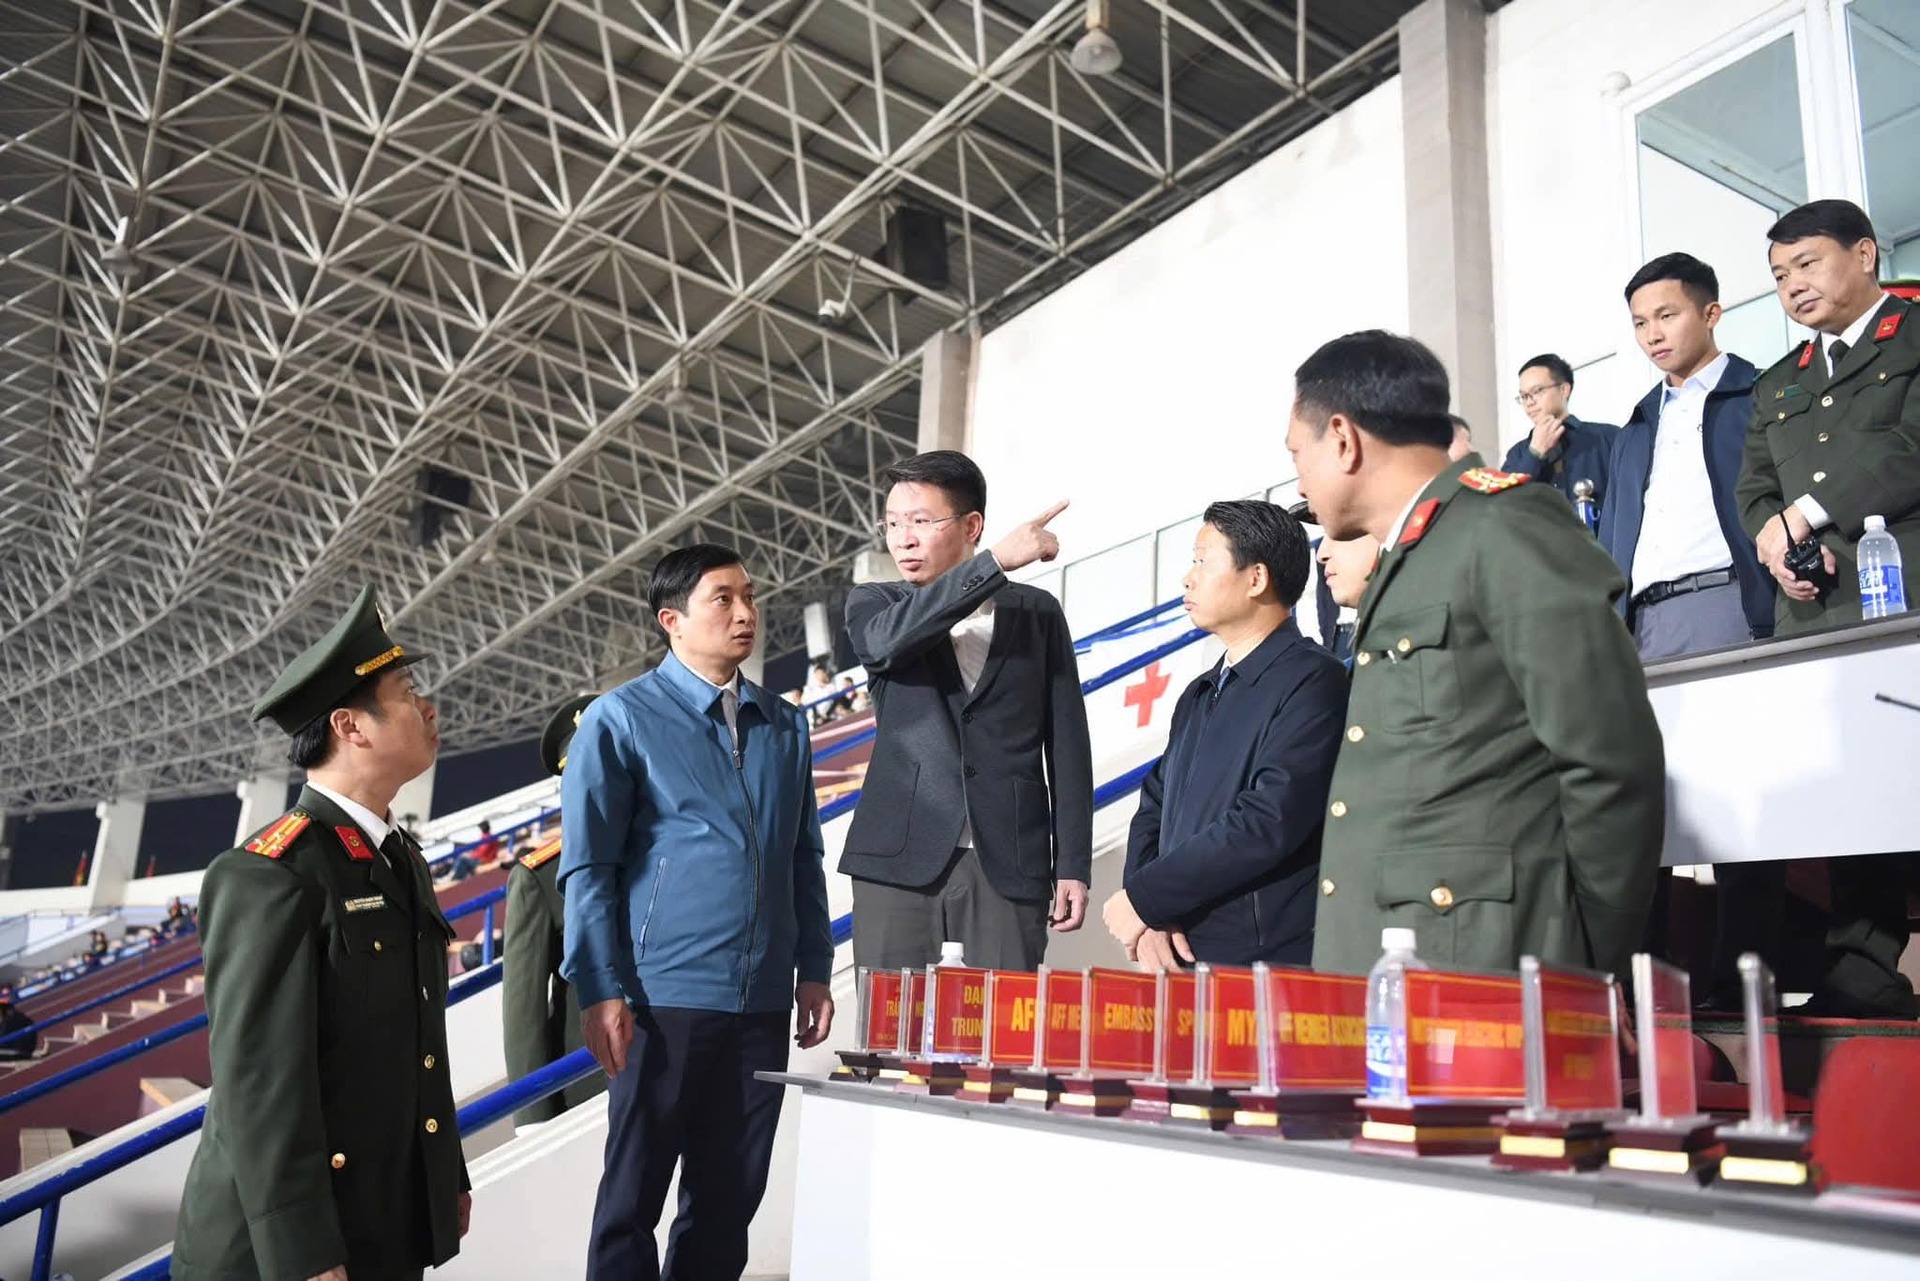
[298, 1240]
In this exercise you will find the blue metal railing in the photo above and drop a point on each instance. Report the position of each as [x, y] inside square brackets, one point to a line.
[125, 952]
[46, 1195]
[503, 837]
[478, 981]
[107, 998]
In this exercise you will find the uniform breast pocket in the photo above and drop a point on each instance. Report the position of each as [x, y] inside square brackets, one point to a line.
[1412, 670]
[1787, 432]
[372, 973]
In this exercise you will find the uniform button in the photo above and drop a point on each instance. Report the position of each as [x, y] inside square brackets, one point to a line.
[1819, 476]
[1355, 734]
[1826, 402]
[966, 718]
[423, 993]
[1364, 658]
[1404, 644]
[1782, 416]
[433, 1126]
[972, 772]
[1822, 438]
[339, 1160]
[1326, 887]
[1442, 897]
[428, 1062]
[376, 945]
[1883, 376]
[1338, 809]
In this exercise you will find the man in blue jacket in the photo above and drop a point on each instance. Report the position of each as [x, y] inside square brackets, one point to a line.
[1561, 449]
[696, 916]
[1670, 519]
[1224, 853]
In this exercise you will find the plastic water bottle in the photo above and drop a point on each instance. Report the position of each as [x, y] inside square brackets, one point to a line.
[952, 953]
[1882, 589]
[1387, 1014]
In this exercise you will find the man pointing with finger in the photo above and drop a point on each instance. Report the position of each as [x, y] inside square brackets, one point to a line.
[696, 918]
[975, 823]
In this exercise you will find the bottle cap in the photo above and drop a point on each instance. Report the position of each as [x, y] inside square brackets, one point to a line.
[954, 954]
[1396, 939]
[1876, 524]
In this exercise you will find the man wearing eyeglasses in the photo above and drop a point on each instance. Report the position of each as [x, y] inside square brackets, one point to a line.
[1561, 450]
[975, 822]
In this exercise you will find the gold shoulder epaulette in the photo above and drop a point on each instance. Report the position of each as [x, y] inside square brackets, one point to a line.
[544, 854]
[274, 839]
[1486, 480]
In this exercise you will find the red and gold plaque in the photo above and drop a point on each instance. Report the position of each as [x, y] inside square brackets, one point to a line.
[1571, 1029]
[1059, 1034]
[1669, 1139]
[1173, 1048]
[1116, 1042]
[877, 1034]
[1464, 1067]
[953, 1019]
[1309, 1055]
[1012, 1016]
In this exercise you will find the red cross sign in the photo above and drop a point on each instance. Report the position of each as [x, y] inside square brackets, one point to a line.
[1153, 684]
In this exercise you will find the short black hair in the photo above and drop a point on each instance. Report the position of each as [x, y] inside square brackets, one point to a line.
[1694, 276]
[949, 471]
[1562, 372]
[313, 744]
[1263, 533]
[1839, 220]
[486, 828]
[1389, 384]
[1460, 424]
[681, 570]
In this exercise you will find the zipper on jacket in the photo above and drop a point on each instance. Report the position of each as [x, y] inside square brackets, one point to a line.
[753, 843]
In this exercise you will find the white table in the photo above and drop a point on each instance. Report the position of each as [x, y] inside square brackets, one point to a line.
[1781, 750]
[902, 1188]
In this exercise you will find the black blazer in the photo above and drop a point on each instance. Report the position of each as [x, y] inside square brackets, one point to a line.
[1012, 757]
[1226, 843]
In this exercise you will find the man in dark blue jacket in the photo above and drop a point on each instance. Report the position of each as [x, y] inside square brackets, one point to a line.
[1225, 849]
[696, 916]
[1670, 519]
[1561, 449]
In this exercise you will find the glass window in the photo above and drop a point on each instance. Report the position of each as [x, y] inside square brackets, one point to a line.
[1719, 161]
[1885, 40]
[1174, 552]
[1109, 586]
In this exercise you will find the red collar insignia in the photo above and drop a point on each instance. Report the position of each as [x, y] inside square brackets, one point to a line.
[1806, 355]
[1889, 326]
[1418, 522]
[357, 848]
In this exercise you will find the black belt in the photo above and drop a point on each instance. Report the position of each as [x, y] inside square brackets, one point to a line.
[1681, 586]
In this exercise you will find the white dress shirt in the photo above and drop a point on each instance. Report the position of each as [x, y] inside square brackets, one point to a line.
[376, 828]
[1807, 504]
[1680, 532]
[972, 638]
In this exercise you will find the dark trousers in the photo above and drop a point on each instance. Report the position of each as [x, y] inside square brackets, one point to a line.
[898, 927]
[1866, 933]
[687, 1096]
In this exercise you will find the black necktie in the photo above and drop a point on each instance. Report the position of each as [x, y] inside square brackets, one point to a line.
[400, 858]
[1836, 354]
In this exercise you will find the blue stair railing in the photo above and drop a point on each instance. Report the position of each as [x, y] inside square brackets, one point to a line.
[487, 903]
[105, 998]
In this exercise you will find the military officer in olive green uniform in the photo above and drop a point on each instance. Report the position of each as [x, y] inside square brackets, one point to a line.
[330, 1148]
[540, 1015]
[1501, 785]
[1836, 439]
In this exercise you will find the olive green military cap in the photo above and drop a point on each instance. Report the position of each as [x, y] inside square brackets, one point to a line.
[315, 683]
[557, 737]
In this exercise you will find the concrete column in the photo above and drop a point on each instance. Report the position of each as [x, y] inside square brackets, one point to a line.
[116, 851]
[413, 803]
[263, 798]
[819, 628]
[875, 566]
[946, 390]
[1443, 90]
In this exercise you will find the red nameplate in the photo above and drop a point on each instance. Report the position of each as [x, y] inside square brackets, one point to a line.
[1319, 1030]
[1016, 998]
[883, 1010]
[916, 1011]
[1673, 1062]
[1582, 1055]
[1066, 1004]
[1179, 1027]
[1233, 1029]
[1119, 1014]
[1464, 1036]
[956, 1004]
